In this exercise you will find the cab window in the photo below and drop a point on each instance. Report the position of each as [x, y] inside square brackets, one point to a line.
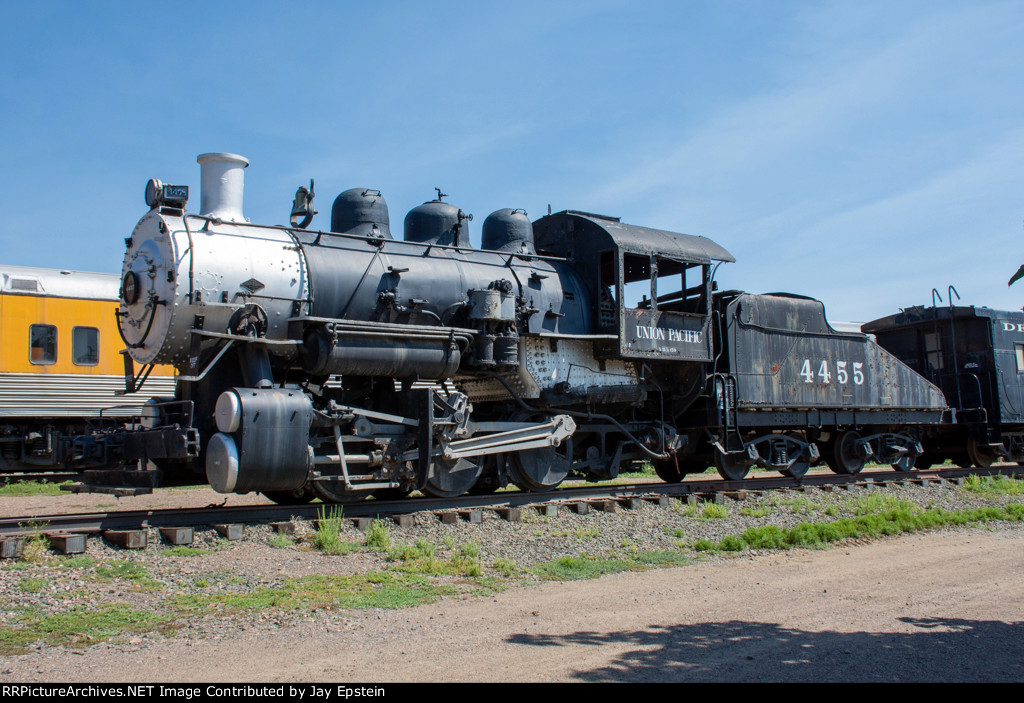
[85, 346]
[665, 284]
[42, 344]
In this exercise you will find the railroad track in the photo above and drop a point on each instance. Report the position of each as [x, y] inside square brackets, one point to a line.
[130, 528]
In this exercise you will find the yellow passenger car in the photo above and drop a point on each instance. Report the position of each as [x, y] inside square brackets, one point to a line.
[60, 363]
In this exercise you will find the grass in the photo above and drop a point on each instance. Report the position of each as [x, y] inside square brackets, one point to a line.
[876, 502]
[78, 626]
[584, 566]
[182, 551]
[33, 584]
[20, 489]
[994, 485]
[887, 521]
[422, 558]
[361, 591]
[124, 569]
[281, 540]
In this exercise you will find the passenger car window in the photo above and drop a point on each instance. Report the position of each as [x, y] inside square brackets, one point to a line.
[42, 344]
[85, 346]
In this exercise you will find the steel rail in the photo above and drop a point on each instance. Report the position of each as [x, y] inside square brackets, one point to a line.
[699, 486]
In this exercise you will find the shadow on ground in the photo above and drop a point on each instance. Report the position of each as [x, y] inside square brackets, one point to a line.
[937, 650]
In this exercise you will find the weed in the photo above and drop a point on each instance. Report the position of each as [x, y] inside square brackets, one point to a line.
[732, 543]
[756, 511]
[993, 485]
[281, 541]
[766, 537]
[586, 533]
[181, 551]
[420, 559]
[686, 509]
[377, 537]
[79, 561]
[327, 537]
[37, 546]
[581, 567]
[407, 553]
[661, 558]
[128, 570]
[449, 541]
[877, 502]
[802, 506]
[714, 511]
[506, 567]
[80, 625]
[675, 532]
[32, 584]
[587, 567]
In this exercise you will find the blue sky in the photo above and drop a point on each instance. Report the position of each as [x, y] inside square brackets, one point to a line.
[858, 152]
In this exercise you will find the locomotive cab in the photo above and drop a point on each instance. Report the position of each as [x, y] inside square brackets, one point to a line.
[651, 288]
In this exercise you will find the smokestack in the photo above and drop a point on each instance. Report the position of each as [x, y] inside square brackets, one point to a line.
[221, 184]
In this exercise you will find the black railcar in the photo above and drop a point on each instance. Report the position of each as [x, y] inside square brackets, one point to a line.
[976, 356]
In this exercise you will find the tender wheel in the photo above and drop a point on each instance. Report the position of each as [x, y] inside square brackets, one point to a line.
[451, 478]
[538, 469]
[980, 456]
[674, 469]
[845, 458]
[391, 494]
[926, 460]
[904, 463]
[731, 466]
[300, 496]
[799, 468]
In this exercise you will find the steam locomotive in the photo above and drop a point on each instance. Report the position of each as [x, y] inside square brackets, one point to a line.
[344, 363]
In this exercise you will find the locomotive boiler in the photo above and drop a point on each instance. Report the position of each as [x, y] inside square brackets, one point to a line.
[351, 362]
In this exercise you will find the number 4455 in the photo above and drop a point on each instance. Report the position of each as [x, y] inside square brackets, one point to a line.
[824, 374]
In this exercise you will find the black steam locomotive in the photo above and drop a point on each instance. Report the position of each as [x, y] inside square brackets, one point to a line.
[348, 362]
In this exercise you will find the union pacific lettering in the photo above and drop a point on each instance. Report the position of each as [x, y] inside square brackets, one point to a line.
[662, 334]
